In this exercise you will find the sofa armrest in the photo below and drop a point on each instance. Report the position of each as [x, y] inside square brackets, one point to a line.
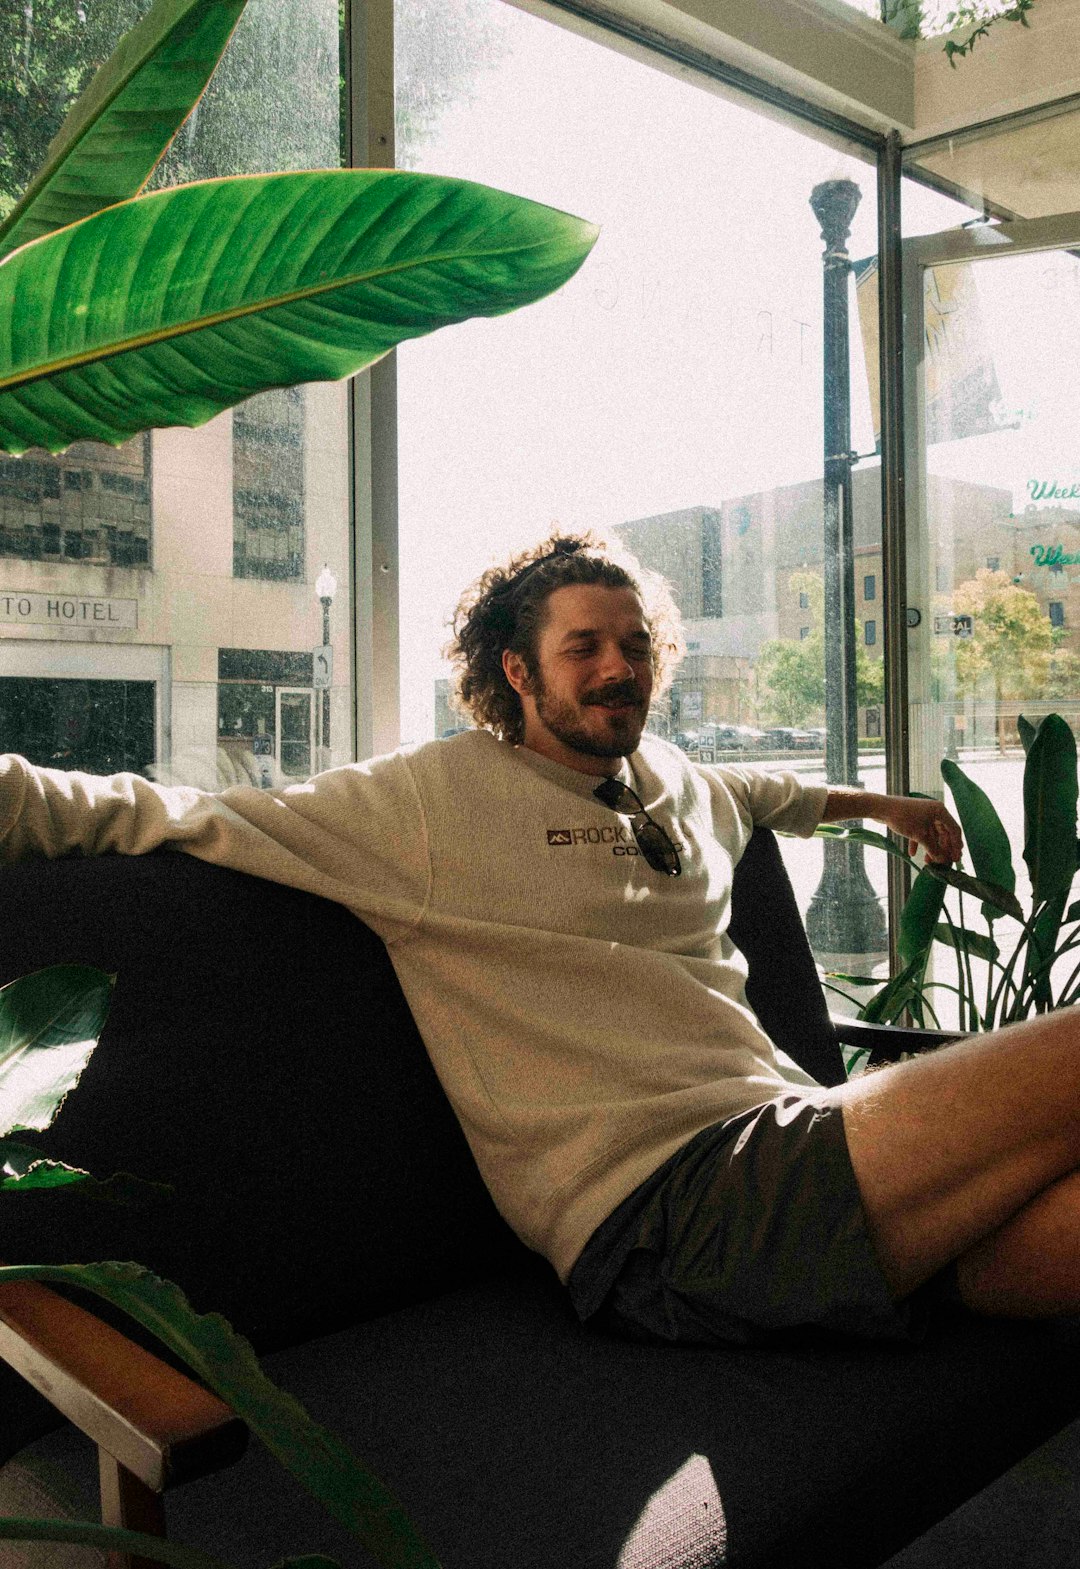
[155, 1422]
[889, 1042]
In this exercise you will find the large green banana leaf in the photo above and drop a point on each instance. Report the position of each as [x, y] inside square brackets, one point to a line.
[919, 917]
[1050, 801]
[169, 308]
[118, 129]
[987, 841]
[49, 1025]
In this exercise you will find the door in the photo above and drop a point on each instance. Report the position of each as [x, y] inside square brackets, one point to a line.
[992, 316]
[295, 731]
[993, 502]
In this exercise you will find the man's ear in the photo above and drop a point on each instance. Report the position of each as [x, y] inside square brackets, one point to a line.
[515, 671]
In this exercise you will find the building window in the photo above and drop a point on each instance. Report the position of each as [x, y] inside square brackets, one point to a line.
[804, 601]
[100, 727]
[994, 563]
[870, 633]
[90, 504]
[1057, 613]
[712, 583]
[869, 586]
[268, 486]
[804, 632]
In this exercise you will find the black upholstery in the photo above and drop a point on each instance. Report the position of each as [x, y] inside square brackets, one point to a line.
[783, 987]
[260, 1056]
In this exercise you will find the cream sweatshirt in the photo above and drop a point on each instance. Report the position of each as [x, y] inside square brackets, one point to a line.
[586, 1014]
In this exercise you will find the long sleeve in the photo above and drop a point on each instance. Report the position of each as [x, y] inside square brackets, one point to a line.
[773, 800]
[355, 835]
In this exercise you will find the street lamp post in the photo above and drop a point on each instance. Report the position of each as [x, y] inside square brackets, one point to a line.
[845, 915]
[325, 589]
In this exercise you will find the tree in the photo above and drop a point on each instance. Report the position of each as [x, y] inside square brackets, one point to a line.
[1012, 649]
[790, 674]
[49, 50]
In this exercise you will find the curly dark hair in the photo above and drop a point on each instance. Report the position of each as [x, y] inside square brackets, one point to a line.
[504, 609]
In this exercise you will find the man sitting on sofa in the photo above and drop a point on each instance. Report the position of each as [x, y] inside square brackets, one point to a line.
[553, 888]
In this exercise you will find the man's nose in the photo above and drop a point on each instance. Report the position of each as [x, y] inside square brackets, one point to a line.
[614, 665]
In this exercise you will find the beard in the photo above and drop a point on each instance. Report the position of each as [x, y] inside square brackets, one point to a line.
[566, 724]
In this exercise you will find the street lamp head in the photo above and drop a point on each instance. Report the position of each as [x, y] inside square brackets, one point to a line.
[326, 584]
[834, 203]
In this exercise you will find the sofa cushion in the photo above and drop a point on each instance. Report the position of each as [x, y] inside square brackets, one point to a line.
[516, 1437]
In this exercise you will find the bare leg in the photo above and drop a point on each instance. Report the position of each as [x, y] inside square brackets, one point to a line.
[1031, 1265]
[968, 1153]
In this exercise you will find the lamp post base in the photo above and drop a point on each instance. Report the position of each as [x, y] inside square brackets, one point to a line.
[845, 914]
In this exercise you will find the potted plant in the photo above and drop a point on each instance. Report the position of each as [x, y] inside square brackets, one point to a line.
[1001, 977]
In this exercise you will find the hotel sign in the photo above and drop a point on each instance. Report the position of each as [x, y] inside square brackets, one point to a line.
[68, 610]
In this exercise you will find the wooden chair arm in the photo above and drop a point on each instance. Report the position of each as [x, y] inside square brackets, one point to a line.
[154, 1421]
[888, 1042]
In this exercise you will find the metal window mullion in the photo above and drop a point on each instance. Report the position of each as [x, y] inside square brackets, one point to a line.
[369, 51]
[891, 371]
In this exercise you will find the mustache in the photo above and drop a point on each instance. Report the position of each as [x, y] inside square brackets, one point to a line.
[626, 692]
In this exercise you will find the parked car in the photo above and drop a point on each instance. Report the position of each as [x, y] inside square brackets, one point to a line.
[782, 737]
[738, 738]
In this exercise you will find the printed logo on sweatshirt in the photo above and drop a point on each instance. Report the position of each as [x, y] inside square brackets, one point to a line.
[618, 835]
[611, 833]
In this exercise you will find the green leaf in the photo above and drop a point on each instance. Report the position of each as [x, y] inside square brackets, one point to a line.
[861, 836]
[1004, 902]
[169, 308]
[49, 1025]
[110, 1537]
[118, 129]
[1050, 796]
[919, 917]
[890, 1002]
[854, 980]
[1027, 732]
[1073, 912]
[986, 839]
[23, 1169]
[973, 943]
[225, 1361]
[1040, 959]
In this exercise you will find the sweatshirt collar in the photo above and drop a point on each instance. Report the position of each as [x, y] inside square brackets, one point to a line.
[572, 778]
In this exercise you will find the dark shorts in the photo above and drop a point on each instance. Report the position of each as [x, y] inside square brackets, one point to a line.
[754, 1231]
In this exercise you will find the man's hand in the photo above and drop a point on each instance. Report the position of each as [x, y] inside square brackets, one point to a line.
[924, 823]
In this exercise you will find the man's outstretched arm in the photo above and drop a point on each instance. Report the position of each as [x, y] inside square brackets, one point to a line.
[921, 822]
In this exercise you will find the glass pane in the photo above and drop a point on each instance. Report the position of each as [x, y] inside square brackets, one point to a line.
[295, 734]
[178, 572]
[996, 544]
[1028, 169]
[672, 392]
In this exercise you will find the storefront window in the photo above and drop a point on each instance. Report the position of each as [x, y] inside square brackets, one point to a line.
[671, 394]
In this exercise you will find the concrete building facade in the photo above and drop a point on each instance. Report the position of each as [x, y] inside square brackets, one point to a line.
[158, 609]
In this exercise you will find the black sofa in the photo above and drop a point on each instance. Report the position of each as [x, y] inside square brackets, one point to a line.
[259, 1057]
